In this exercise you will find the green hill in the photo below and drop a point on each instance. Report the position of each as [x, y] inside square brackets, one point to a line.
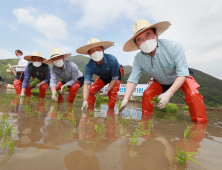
[211, 87]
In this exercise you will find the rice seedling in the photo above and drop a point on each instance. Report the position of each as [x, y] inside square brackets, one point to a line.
[187, 133]
[119, 104]
[4, 100]
[59, 115]
[134, 140]
[142, 125]
[39, 113]
[183, 156]
[73, 121]
[150, 121]
[99, 98]
[155, 100]
[108, 118]
[124, 122]
[34, 82]
[99, 129]
[8, 142]
[91, 113]
[8, 129]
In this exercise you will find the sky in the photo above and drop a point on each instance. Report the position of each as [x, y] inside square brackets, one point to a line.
[39, 25]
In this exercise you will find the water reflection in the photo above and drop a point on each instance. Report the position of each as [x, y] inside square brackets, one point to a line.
[80, 146]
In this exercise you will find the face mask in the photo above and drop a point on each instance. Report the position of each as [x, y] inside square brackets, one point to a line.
[37, 64]
[59, 63]
[97, 55]
[148, 46]
[19, 57]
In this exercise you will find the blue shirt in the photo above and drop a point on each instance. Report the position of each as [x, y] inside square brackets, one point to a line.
[27, 76]
[109, 69]
[168, 63]
[69, 73]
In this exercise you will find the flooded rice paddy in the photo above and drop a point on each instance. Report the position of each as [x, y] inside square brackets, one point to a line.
[59, 136]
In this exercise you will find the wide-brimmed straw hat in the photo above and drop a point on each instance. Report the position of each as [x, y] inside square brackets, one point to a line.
[94, 42]
[55, 52]
[34, 54]
[141, 26]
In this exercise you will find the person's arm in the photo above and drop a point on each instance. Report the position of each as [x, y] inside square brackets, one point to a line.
[53, 80]
[74, 73]
[131, 83]
[86, 87]
[26, 80]
[87, 83]
[86, 90]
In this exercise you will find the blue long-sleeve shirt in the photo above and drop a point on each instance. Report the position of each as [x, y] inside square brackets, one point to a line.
[27, 76]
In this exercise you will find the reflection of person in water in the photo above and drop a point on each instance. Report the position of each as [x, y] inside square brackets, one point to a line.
[29, 129]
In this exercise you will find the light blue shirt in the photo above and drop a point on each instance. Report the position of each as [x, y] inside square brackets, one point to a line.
[168, 63]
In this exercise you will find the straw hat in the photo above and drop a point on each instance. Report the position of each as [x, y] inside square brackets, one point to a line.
[94, 42]
[141, 26]
[12, 69]
[9, 71]
[34, 54]
[55, 52]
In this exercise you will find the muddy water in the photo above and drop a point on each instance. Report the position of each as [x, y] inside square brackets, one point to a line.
[43, 142]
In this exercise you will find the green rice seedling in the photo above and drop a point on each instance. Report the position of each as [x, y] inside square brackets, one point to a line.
[183, 156]
[39, 113]
[134, 140]
[150, 121]
[142, 125]
[108, 118]
[187, 134]
[99, 98]
[124, 122]
[34, 82]
[73, 121]
[99, 129]
[55, 105]
[4, 100]
[9, 143]
[155, 100]
[105, 99]
[84, 107]
[59, 116]
[119, 104]
[8, 129]
[185, 108]
[91, 113]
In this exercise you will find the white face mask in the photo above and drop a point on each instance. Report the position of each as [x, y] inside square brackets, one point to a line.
[97, 55]
[37, 64]
[59, 63]
[148, 46]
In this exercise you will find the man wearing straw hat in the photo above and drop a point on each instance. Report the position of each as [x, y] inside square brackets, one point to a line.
[20, 68]
[71, 76]
[165, 61]
[36, 69]
[104, 65]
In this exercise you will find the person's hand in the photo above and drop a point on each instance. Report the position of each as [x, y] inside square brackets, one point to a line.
[14, 66]
[84, 105]
[37, 86]
[61, 92]
[165, 98]
[123, 104]
[54, 95]
[105, 93]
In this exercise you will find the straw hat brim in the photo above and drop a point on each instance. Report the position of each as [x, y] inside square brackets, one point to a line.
[51, 61]
[13, 70]
[29, 57]
[86, 48]
[160, 27]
